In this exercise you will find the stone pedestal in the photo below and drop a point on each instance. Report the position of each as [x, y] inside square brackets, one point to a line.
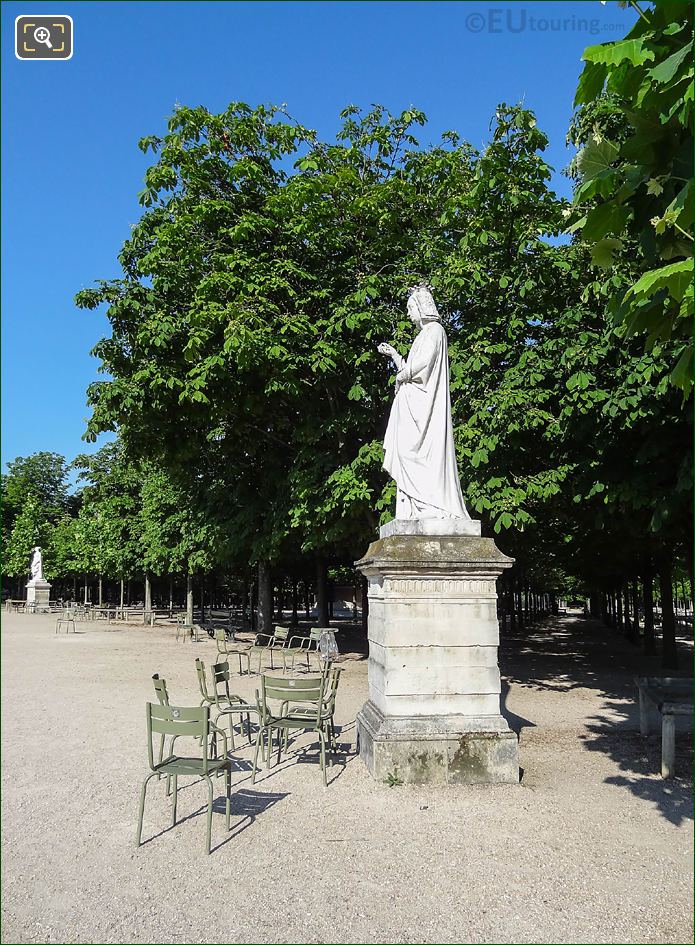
[433, 713]
[38, 595]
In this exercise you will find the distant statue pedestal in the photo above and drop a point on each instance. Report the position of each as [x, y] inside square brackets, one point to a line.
[433, 713]
[38, 595]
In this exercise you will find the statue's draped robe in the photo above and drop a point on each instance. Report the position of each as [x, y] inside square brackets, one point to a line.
[419, 442]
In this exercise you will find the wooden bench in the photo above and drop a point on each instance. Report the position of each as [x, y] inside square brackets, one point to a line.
[671, 696]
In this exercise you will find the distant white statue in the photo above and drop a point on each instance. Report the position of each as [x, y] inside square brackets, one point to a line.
[36, 565]
[419, 444]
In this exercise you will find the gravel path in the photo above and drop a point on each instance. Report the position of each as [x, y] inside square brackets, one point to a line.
[592, 846]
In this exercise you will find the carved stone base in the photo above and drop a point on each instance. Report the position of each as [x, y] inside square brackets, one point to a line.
[437, 749]
[434, 684]
[38, 595]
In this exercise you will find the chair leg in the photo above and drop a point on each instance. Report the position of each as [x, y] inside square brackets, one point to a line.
[228, 805]
[174, 798]
[261, 732]
[142, 809]
[322, 740]
[248, 726]
[231, 729]
[209, 824]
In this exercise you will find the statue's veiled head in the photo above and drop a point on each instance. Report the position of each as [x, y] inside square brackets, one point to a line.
[421, 306]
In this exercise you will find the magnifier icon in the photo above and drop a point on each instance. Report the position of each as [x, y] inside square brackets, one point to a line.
[43, 35]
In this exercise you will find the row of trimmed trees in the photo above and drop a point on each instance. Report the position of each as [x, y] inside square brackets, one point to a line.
[243, 379]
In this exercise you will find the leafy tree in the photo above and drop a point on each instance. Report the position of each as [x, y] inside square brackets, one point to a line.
[107, 533]
[31, 527]
[638, 185]
[40, 481]
[244, 375]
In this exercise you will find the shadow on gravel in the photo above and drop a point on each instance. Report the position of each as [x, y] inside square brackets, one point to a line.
[640, 758]
[516, 722]
[245, 804]
[567, 653]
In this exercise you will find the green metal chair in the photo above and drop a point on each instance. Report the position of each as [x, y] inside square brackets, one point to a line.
[305, 646]
[184, 721]
[224, 649]
[278, 641]
[332, 679]
[160, 688]
[188, 631]
[66, 618]
[228, 703]
[304, 693]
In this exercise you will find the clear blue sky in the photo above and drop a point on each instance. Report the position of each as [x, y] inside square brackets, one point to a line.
[71, 168]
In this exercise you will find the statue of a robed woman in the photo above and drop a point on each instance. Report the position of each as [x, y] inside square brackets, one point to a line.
[419, 444]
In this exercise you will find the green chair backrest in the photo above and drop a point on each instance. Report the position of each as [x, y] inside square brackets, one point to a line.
[281, 633]
[333, 680]
[202, 681]
[315, 634]
[160, 688]
[179, 721]
[220, 681]
[289, 689]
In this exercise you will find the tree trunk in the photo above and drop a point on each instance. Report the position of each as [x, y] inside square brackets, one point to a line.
[74, 587]
[624, 591]
[648, 607]
[148, 593]
[101, 591]
[265, 598]
[202, 597]
[245, 595]
[669, 654]
[295, 603]
[86, 590]
[307, 600]
[619, 603]
[322, 592]
[519, 609]
[122, 593]
[171, 595]
[634, 636]
[189, 598]
[253, 605]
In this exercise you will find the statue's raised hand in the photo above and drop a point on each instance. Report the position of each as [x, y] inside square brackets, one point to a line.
[391, 352]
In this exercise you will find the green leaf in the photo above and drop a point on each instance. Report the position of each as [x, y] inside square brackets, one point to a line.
[675, 278]
[682, 374]
[591, 83]
[603, 252]
[596, 157]
[666, 70]
[611, 54]
[606, 218]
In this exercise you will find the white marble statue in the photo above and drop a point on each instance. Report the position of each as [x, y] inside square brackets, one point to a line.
[36, 566]
[419, 443]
